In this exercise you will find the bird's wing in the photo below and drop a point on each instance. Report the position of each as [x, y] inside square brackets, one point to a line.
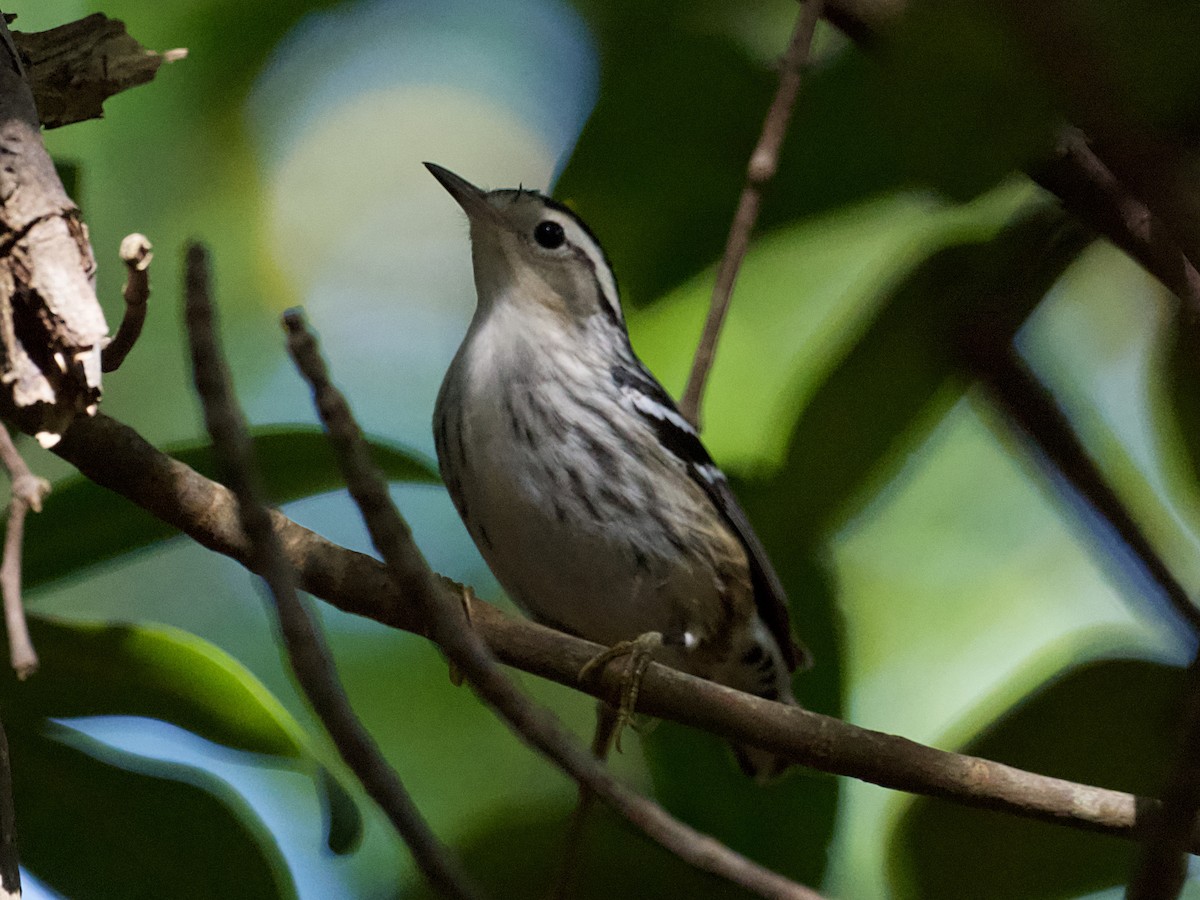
[655, 406]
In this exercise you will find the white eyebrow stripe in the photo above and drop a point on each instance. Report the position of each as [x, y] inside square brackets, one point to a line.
[578, 237]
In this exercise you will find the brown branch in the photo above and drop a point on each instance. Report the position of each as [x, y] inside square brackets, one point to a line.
[117, 457]
[75, 67]
[764, 162]
[28, 491]
[1087, 187]
[306, 650]
[535, 725]
[10, 862]
[135, 253]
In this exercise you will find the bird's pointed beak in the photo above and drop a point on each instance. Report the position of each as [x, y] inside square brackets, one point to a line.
[470, 198]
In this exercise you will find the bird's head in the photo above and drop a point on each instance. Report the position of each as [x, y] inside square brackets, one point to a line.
[530, 249]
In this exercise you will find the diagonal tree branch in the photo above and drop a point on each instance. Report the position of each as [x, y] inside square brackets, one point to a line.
[1029, 405]
[1090, 190]
[534, 724]
[306, 650]
[117, 457]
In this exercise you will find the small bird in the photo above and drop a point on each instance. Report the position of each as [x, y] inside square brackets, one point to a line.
[586, 491]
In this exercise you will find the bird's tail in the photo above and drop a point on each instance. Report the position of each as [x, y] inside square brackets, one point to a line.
[761, 670]
[761, 765]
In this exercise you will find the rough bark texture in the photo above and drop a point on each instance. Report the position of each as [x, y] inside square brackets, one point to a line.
[52, 329]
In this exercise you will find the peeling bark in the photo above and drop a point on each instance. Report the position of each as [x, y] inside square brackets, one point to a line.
[74, 68]
[52, 329]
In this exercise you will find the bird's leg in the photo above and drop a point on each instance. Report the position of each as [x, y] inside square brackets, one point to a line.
[465, 596]
[569, 865]
[639, 653]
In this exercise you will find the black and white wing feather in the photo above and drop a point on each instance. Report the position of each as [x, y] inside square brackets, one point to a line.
[676, 434]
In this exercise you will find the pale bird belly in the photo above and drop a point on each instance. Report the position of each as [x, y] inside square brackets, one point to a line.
[576, 559]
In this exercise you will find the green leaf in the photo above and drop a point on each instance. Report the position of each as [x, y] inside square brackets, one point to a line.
[961, 96]
[516, 855]
[805, 295]
[786, 825]
[90, 828]
[163, 673]
[659, 165]
[84, 524]
[100, 669]
[904, 371]
[1183, 384]
[942, 850]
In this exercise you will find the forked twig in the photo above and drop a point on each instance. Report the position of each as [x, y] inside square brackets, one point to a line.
[307, 653]
[764, 162]
[463, 645]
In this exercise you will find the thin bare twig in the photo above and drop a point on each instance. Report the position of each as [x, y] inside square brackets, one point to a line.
[28, 492]
[10, 862]
[306, 650]
[460, 642]
[115, 456]
[764, 162]
[1090, 190]
[135, 253]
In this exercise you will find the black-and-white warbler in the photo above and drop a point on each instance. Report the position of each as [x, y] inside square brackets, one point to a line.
[590, 497]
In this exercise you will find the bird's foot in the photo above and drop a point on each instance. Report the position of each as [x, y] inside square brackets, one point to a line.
[639, 653]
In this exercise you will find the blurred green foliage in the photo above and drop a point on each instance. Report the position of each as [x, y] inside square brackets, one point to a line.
[941, 849]
[898, 224]
[103, 826]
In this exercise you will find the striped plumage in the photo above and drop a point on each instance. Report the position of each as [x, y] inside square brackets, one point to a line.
[589, 496]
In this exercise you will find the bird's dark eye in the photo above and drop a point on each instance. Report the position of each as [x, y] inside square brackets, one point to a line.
[549, 234]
